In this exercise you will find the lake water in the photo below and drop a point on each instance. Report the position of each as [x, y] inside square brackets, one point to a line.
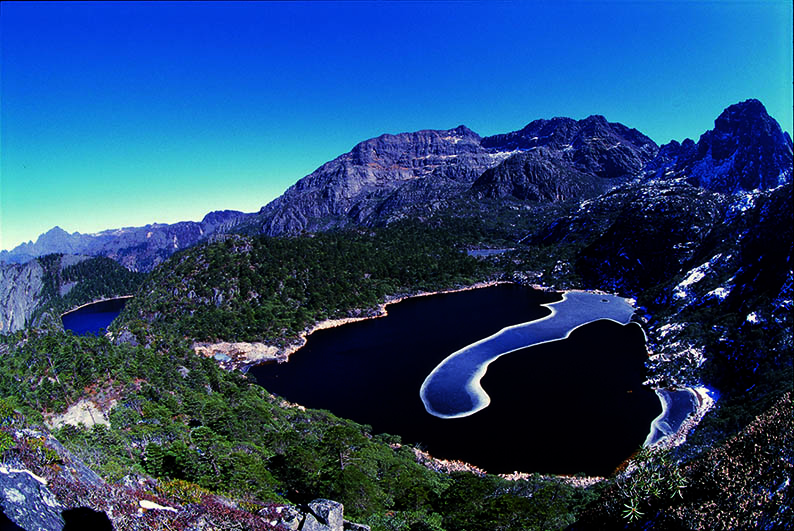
[93, 318]
[565, 407]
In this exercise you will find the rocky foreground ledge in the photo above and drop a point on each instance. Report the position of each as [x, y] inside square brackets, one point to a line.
[45, 487]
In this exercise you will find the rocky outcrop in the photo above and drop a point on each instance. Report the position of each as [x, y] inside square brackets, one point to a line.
[27, 501]
[45, 487]
[20, 293]
[657, 231]
[538, 175]
[747, 150]
[393, 176]
[327, 515]
[592, 146]
[37, 293]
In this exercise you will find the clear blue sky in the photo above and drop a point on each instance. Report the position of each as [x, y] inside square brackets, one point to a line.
[123, 114]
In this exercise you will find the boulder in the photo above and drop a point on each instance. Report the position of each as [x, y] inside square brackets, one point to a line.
[27, 501]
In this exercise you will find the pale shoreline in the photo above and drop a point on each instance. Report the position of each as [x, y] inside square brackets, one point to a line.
[692, 419]
[479, 397]
[97, 301]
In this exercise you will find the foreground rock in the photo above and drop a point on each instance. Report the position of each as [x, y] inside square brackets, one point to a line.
[27, 501]
[45, 487]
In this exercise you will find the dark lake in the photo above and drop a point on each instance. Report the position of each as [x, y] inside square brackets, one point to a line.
[93, 318]
[565, 407]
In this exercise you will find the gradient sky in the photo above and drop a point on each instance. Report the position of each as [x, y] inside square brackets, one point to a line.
[123, 114]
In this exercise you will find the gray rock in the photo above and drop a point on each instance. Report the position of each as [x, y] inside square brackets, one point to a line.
[350, 189]
[324, 515]
[350, 526]
[28, 502]
[127, 337]
[20, 293]
[591, 146]
[136, 248]
[539, 175]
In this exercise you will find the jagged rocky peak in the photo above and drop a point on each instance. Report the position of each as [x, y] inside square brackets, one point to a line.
[747, 150]
[220, 219]
[385, 178]
[537, 175]
[55, 240]
[392, 149]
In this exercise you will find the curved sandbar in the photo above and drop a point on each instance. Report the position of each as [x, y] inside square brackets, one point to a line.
[677, 405]
[682, 409]
[453, 388]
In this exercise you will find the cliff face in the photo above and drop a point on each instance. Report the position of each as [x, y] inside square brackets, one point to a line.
[20, 292]
[37, 293]
[593, 145]
[538, 175]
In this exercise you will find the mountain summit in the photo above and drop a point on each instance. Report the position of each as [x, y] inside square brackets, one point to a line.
[352, 187]
[746, 150]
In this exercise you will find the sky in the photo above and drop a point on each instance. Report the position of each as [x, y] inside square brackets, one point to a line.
[116, 114]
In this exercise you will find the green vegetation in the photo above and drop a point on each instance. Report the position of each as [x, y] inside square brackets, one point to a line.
[205, 432]
[254, 289]
[655, 475]
[270, 289]
[180, 418]
[741, 483]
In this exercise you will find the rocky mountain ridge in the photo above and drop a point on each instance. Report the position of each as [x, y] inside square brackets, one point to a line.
[747, 150]
[392, 176]
[408, 174]
[22, 290]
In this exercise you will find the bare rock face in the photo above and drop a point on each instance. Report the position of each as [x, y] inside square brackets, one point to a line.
[380, 175]
[20, 292]
[392, 176]
[328, 515]
[657, 230]
[325, 515]
[538, 175]
[592, 146]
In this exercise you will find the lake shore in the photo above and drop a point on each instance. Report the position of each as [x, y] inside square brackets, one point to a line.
[97, 301]
[242, 356]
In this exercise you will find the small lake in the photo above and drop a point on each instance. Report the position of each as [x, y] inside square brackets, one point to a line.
[570, 406]
[93, 318]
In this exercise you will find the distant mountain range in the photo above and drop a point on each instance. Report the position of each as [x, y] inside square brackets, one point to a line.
[394, 176]
[136, 248]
